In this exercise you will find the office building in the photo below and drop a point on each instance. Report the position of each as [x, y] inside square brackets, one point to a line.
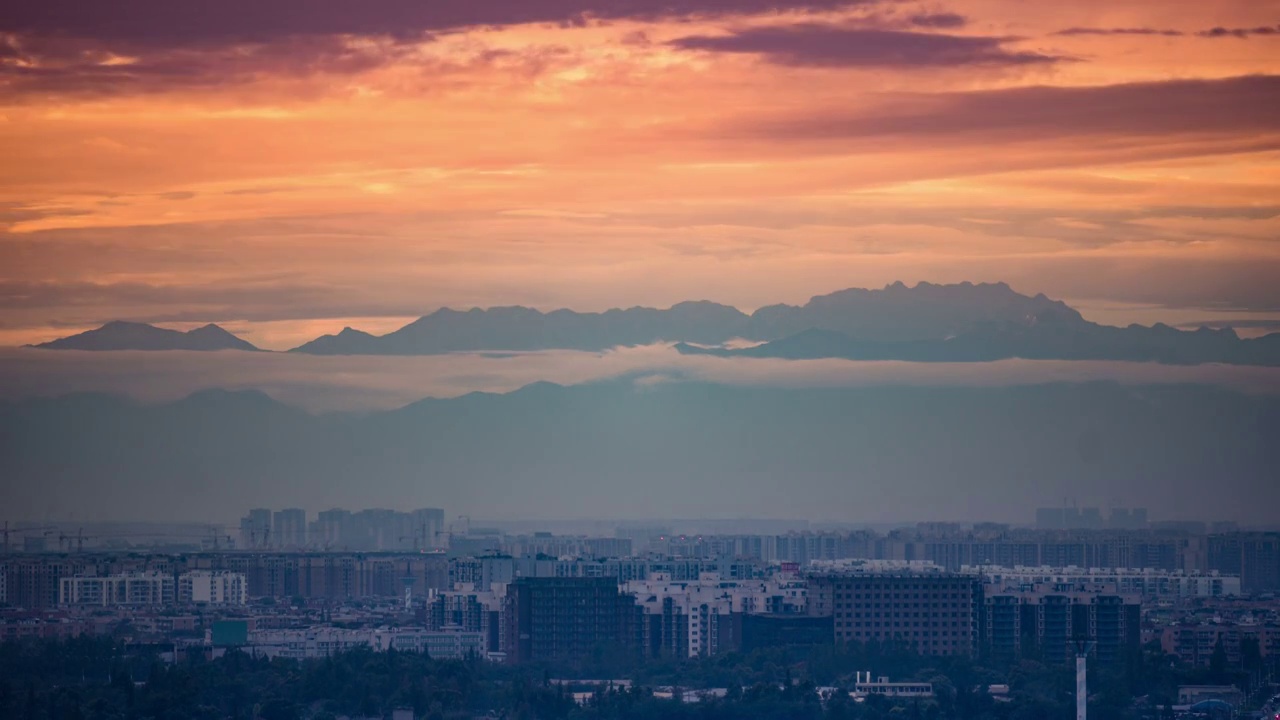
[929, 611]
[569, 618]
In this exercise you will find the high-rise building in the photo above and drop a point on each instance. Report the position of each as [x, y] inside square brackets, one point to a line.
[569, 618]
[1255, 557]
[289, 529]
[376, 529]
[1046, 624]
[428, 529]
[932, 612]
[255, 529]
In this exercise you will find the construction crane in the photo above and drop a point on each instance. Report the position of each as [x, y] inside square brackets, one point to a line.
[215, 537]
[46, 529]
[419, 538]
[210, 537]
[64, 540]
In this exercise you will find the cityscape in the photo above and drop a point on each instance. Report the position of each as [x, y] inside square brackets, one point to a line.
[308, 587]
[639, 360]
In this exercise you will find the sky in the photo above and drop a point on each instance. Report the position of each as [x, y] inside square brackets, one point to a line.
[287, 168]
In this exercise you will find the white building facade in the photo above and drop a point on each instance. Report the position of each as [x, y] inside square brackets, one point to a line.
[113, 590]
[212, 587]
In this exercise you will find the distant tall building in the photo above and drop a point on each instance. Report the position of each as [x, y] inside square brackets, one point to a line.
[1255, 557]
[1090, 518]
[255, 529]
[1127, 519]
[428, 529]
[329, 528]
[566, 618]
[378, 529]
[933, 613]
[289, 529]
[1049, 519]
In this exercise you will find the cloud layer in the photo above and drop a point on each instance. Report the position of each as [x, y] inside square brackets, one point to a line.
[332, 384]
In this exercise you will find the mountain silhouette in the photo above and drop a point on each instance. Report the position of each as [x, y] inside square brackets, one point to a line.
[964, 322]
[636, 447]
[896, 312]
[121, 335]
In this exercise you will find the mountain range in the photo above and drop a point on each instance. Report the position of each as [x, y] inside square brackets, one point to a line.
[122, 335]
[894, 313]
[643, 446]
[931, 323]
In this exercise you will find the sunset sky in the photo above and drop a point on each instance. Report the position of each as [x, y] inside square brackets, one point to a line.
[289, 167]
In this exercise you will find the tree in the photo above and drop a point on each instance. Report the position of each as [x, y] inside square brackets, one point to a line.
[1218, 661]
[1251, 654]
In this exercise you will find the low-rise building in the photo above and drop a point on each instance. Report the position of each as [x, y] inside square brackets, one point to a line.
[866, 686]
[1193, 694]
[1196, 643]
[1148, 583]
[451, 644]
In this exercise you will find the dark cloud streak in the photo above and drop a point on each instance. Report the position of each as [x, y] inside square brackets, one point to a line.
[1118, 31]
[812, 44]
[1240, 33]
[199, 22]
[946, 20]
[1232, 106]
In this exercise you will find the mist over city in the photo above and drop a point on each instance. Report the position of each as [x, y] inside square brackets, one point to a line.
[596, 359]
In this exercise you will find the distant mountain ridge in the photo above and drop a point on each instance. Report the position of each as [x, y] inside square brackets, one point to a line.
[895, 313]
[964, 322]
[123, 335]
